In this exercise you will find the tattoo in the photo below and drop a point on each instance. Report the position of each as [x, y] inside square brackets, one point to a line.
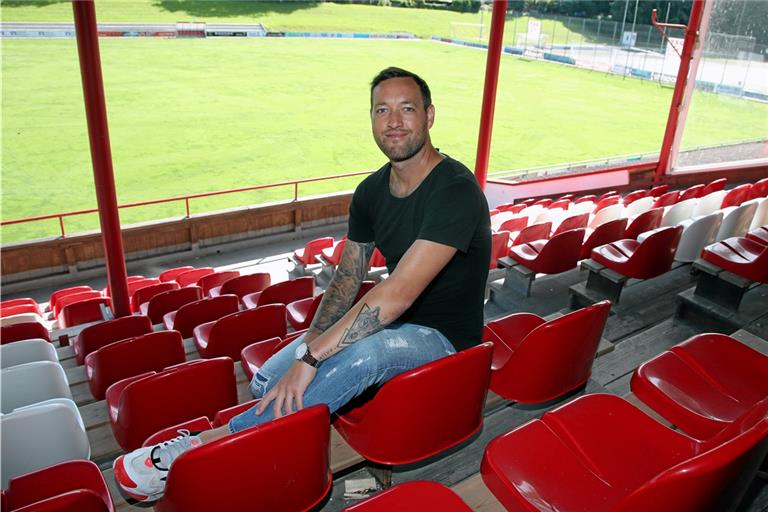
[366, 323]
[344, 285]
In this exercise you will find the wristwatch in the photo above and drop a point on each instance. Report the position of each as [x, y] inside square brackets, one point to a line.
[302, 354]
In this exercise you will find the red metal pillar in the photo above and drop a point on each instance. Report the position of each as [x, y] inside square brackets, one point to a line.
[673, 120]
[101, 155]
[489, 91]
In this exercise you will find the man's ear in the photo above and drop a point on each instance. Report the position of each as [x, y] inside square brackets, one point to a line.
[430, 115]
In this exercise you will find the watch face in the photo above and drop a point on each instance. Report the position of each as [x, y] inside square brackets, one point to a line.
[301, 350]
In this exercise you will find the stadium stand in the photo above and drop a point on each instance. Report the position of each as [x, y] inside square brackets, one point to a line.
[230, 334]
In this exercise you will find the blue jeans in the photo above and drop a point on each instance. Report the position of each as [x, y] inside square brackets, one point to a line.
[371, 361]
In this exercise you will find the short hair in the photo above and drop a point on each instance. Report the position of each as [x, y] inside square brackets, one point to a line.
[393, 72]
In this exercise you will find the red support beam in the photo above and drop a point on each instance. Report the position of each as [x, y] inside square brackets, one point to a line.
[101, 155]
[489, 91]
[673, 120]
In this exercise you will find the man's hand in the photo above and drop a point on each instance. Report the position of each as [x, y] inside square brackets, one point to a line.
[288, 393]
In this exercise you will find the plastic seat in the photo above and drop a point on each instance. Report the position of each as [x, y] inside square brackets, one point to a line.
[377, 259]
[20, 301]
[531, 212]
[58, 294]
[256, 354]
[761, 214]
[243, 285]
[666, 199]
[697, 234]
[228, 335]
[633, 196]
[658, 190]
[499, 248]
[53, 486]
[607, 214]
[759, 235]
[736, 220]
[714, 186]
[606, 194]
[759, 189]
[600, 453]
[395, 427]
[562, 203]
[703, 384]
[84, 311]
[678, 212]
[589, 198]
[216, 279]
[38, 436]
[301, 312]
[20, 318]
[741, 256]
[415, 496]
[646, 221]
[130, 357]
[165, 302]
[558, 254]
[172, 273]
[709, 203]
[282, 293]
[603, 234]
[23, 331]
[530, 233]
[72, 298]
[537, 361]
[641, 260]
[637, 207]
[190, 315]
[605, 202]
[553, 216]
[96, 336]
[31, 383]
[543, 202]
[292, 476]
[27, 351]
[571, 222]
[140, 406]
[332, 255]
[306, 255]
[737, 195]
[134, 283]
[514, 224]
[190, 277]
[15, 309]
[692, 192]
[145, 294]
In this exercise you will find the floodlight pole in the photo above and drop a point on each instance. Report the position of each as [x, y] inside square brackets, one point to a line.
[489, 91]
[87, 36]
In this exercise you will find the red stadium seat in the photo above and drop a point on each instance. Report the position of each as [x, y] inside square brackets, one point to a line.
[137, 283]
[332, 255]
[395, 427]
[641, 260]
[693, 192]
[171, 274]
[289, 456]
[606, 201]
[82, 312]
[224, 415]
[603, 234]
[515, 224]
[545, 202]
[529, 234]
[759, 235]
[256, 354]
[759, 189]
[140, 406]
[23, 331]
[17, 309]
[301, 312]
[703, 384]
[130, 357]
[143, 295]
[560, 203]
[604, 195]
[499, 249]
[667, 199]
[58, 294]
[658, 190]
[537, 361]
[737, 195]
[191, 277]
[243, 285]
[165, 302]
[591, 198]
[189, 316]
[572, 222]
[377, 259]
[634, 196]
[646, 221]
[600, 453]
[282, 293]
[228, 335]
[100, 335]
[528, 202]
[71, 298]
[216, 279]
[49, 488]
[306, 256]
[415, 496]
[714, 186]
[558, 254]
[741, 256]
[17, 302]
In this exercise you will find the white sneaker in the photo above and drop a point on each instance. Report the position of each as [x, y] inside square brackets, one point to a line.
[142, 473]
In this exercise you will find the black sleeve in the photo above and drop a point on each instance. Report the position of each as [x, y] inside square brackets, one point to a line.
[360, 224]
[452, 215]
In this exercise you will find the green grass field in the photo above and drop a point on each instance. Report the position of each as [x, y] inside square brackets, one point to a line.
[189, 116]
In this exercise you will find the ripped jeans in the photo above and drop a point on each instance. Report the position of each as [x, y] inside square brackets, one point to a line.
[371, 361]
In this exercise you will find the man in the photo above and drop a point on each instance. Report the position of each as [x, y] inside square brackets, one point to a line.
[429, 218]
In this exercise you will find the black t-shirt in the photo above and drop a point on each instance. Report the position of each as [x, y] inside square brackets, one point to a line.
[448, 207]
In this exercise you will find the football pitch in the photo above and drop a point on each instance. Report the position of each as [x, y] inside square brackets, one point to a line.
[194, 115]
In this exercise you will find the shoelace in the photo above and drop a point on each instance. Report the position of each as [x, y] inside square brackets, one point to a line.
[167, 451]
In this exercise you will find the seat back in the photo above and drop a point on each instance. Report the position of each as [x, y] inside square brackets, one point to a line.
[736, 221]
[133, 356]
[179, 393]
[714, 186]
[761, 214]
[200, 311]
[659, 190]
[333, 255]
[515, 223]
[55, 296]
[402, 430]
[552, 215]
[20, 318]
[288, 291]
[144, 294]
[30, 383]
[637, 207]
[561, 252]
[709, 203]
[377, 259]
[78, 500]
[15, 309]
[666, 199]
[716, 479]
[560, 203]
[697, 235]
[191, 277]
[655, 254]
[554, 358]
[171, 300]
[572, 222]
[499, 249]
[171, 273]
[606, 201]
[135, 284]
[646, 221]
[544, 202]
[89, 310]
[312, 249]
[678, 212]
[693, 192]
[603, 234]
[232, 333]
[72, 298]
[634, 196]
[301, 312]
[533, 232]
[737, 195]
[23, 331]
[289, 455]
[27, 351]
[759, 189]
[96, 336]
[244, 285]
[607, 214]
[209, 281]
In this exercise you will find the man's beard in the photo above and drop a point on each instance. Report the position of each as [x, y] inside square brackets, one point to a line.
[402, 153]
